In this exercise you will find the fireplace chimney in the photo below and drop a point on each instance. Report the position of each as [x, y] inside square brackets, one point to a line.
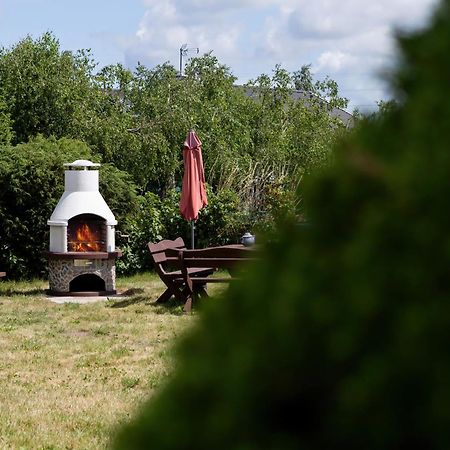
[81, 196]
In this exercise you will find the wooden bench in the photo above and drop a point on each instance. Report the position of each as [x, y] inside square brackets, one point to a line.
[174, 280]
[230, 257]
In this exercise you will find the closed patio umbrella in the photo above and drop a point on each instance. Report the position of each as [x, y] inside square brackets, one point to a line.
[193, 191]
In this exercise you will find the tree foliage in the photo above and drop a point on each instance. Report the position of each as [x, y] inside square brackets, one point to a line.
[45, 90]
[6, 133]
[339, 339]
[138, 120]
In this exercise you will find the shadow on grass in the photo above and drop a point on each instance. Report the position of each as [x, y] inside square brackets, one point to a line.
[11, 292]
[113, 303]
[174, 306]
[135, 296]
[131, 291]
[171, 306]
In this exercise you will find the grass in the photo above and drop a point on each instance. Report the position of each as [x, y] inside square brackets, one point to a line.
[70, 373]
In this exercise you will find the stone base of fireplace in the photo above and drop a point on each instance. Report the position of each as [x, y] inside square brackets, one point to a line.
[82, 274]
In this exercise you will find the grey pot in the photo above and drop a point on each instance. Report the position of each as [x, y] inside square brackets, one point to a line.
[248, 239]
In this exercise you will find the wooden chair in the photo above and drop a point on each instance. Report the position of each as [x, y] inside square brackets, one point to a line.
[174, 280]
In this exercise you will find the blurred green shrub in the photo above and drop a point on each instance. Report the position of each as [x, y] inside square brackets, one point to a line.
[339, 337]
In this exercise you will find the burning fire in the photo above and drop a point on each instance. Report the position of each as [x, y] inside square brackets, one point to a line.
[85, 240]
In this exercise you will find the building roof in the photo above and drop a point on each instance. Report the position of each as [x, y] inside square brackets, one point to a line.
[346, 118]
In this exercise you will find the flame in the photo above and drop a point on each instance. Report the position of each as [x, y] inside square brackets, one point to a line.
[85, 240]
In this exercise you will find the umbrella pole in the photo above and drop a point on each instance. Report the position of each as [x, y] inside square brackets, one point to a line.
[192, 233]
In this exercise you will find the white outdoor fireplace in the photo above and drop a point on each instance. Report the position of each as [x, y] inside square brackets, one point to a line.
[82, 252]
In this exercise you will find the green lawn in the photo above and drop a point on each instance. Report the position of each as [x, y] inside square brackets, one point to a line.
[70, 373]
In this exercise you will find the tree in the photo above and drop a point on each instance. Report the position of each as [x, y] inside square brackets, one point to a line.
[323, 92]
[290, 136]
[109, 127]
[166, 107]
[246, 139]
[55, 93]
[44, 90]
[158, 101]
[5, 124]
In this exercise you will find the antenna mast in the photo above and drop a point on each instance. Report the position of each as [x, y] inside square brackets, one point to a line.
[183, 52]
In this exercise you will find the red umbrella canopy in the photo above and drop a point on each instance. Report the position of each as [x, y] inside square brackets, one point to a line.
[193, 192]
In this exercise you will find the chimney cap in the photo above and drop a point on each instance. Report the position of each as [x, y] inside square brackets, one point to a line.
[82, 163]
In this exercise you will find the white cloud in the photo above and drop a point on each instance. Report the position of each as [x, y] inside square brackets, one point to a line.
[333, 61]
[340, 38]
[324, 19]
[166, 26]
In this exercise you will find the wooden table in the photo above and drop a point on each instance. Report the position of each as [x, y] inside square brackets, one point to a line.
[230, 257]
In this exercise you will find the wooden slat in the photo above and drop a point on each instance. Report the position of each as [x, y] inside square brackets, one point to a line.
[222, 263]
[199, 280]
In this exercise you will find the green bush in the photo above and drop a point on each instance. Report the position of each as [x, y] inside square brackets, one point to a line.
[222, 221]
[339, 338]
[144, 226]
[219, 223]
[31, 183]
[279, 203]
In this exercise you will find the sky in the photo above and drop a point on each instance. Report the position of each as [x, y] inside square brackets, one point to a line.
[351, 41]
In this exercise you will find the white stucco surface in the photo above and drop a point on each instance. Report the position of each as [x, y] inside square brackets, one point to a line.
[81, 196]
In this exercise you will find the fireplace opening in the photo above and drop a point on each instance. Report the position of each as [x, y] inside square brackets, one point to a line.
[87, 282]
[86, 233]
